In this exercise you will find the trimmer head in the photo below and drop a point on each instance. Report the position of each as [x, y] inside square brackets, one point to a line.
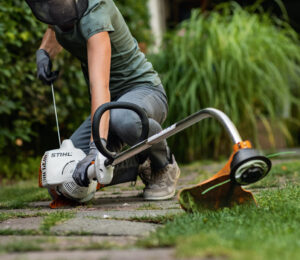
[245, 166]
[248, 166]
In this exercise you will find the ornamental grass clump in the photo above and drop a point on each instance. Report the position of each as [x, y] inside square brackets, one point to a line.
[243, 63]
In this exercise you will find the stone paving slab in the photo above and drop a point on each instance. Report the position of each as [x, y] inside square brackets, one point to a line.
[40, 204]
[134, 254]
[33, 211]
[134, 203]
[104, 205]
[117, 193]
[119, 203]
[70, 242]
[103, 227]
[128, 214]
[31, 223]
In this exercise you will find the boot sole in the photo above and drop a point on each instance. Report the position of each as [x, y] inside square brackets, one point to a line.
[166, 197]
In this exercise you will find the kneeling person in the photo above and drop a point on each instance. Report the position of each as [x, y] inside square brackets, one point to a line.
[115, 70]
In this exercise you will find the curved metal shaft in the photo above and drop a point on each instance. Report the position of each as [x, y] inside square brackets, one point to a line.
[214, 113]
[179, 126]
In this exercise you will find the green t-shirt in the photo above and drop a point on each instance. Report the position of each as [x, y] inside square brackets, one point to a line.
[129, 66]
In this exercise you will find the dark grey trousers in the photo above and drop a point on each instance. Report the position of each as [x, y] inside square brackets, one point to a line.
[125, 125]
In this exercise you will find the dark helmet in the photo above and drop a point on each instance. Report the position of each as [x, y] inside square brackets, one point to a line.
[58, 12]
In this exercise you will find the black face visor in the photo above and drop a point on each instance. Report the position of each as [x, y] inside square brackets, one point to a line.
[58, 12]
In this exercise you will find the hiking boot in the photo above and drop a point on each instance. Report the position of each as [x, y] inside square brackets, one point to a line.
[160, 185]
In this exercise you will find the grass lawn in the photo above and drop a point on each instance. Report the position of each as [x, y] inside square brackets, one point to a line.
[269, 231]
[20, 194]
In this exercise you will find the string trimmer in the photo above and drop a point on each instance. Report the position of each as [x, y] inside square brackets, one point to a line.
[245, 166]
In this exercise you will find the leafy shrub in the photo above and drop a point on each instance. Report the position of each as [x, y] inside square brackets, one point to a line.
[245, 64]
[25, 104]
[26, 112]
[19, 168]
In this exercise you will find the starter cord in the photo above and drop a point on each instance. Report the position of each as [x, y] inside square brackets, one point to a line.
[56, 118]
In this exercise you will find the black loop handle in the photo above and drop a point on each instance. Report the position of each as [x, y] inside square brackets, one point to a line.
[116, 105]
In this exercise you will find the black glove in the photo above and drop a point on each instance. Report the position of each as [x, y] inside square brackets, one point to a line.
[80, 173]
[44, 67]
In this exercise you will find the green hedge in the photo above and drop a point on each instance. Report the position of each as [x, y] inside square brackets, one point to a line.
[25, 104]
[26, 112]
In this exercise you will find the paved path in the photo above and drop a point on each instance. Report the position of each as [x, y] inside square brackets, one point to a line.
[131, 254]
[107, 228]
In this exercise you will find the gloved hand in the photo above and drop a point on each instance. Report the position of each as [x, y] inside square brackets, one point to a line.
[44, 67]
[80, 173]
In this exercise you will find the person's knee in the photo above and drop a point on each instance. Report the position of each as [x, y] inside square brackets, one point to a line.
[154, 127]
[126, 124]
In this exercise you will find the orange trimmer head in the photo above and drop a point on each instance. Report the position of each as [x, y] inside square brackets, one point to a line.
[245, 166]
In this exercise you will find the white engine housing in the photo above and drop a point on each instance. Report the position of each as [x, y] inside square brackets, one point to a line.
[57, 167]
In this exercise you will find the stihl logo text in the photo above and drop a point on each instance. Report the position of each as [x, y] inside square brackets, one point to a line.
[61, 154]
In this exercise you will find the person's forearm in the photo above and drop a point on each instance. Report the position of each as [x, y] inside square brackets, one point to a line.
[50, 44]
[99, 98]
[99, 60]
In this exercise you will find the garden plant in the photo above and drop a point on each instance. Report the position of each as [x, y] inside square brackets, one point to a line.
[243, 62]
